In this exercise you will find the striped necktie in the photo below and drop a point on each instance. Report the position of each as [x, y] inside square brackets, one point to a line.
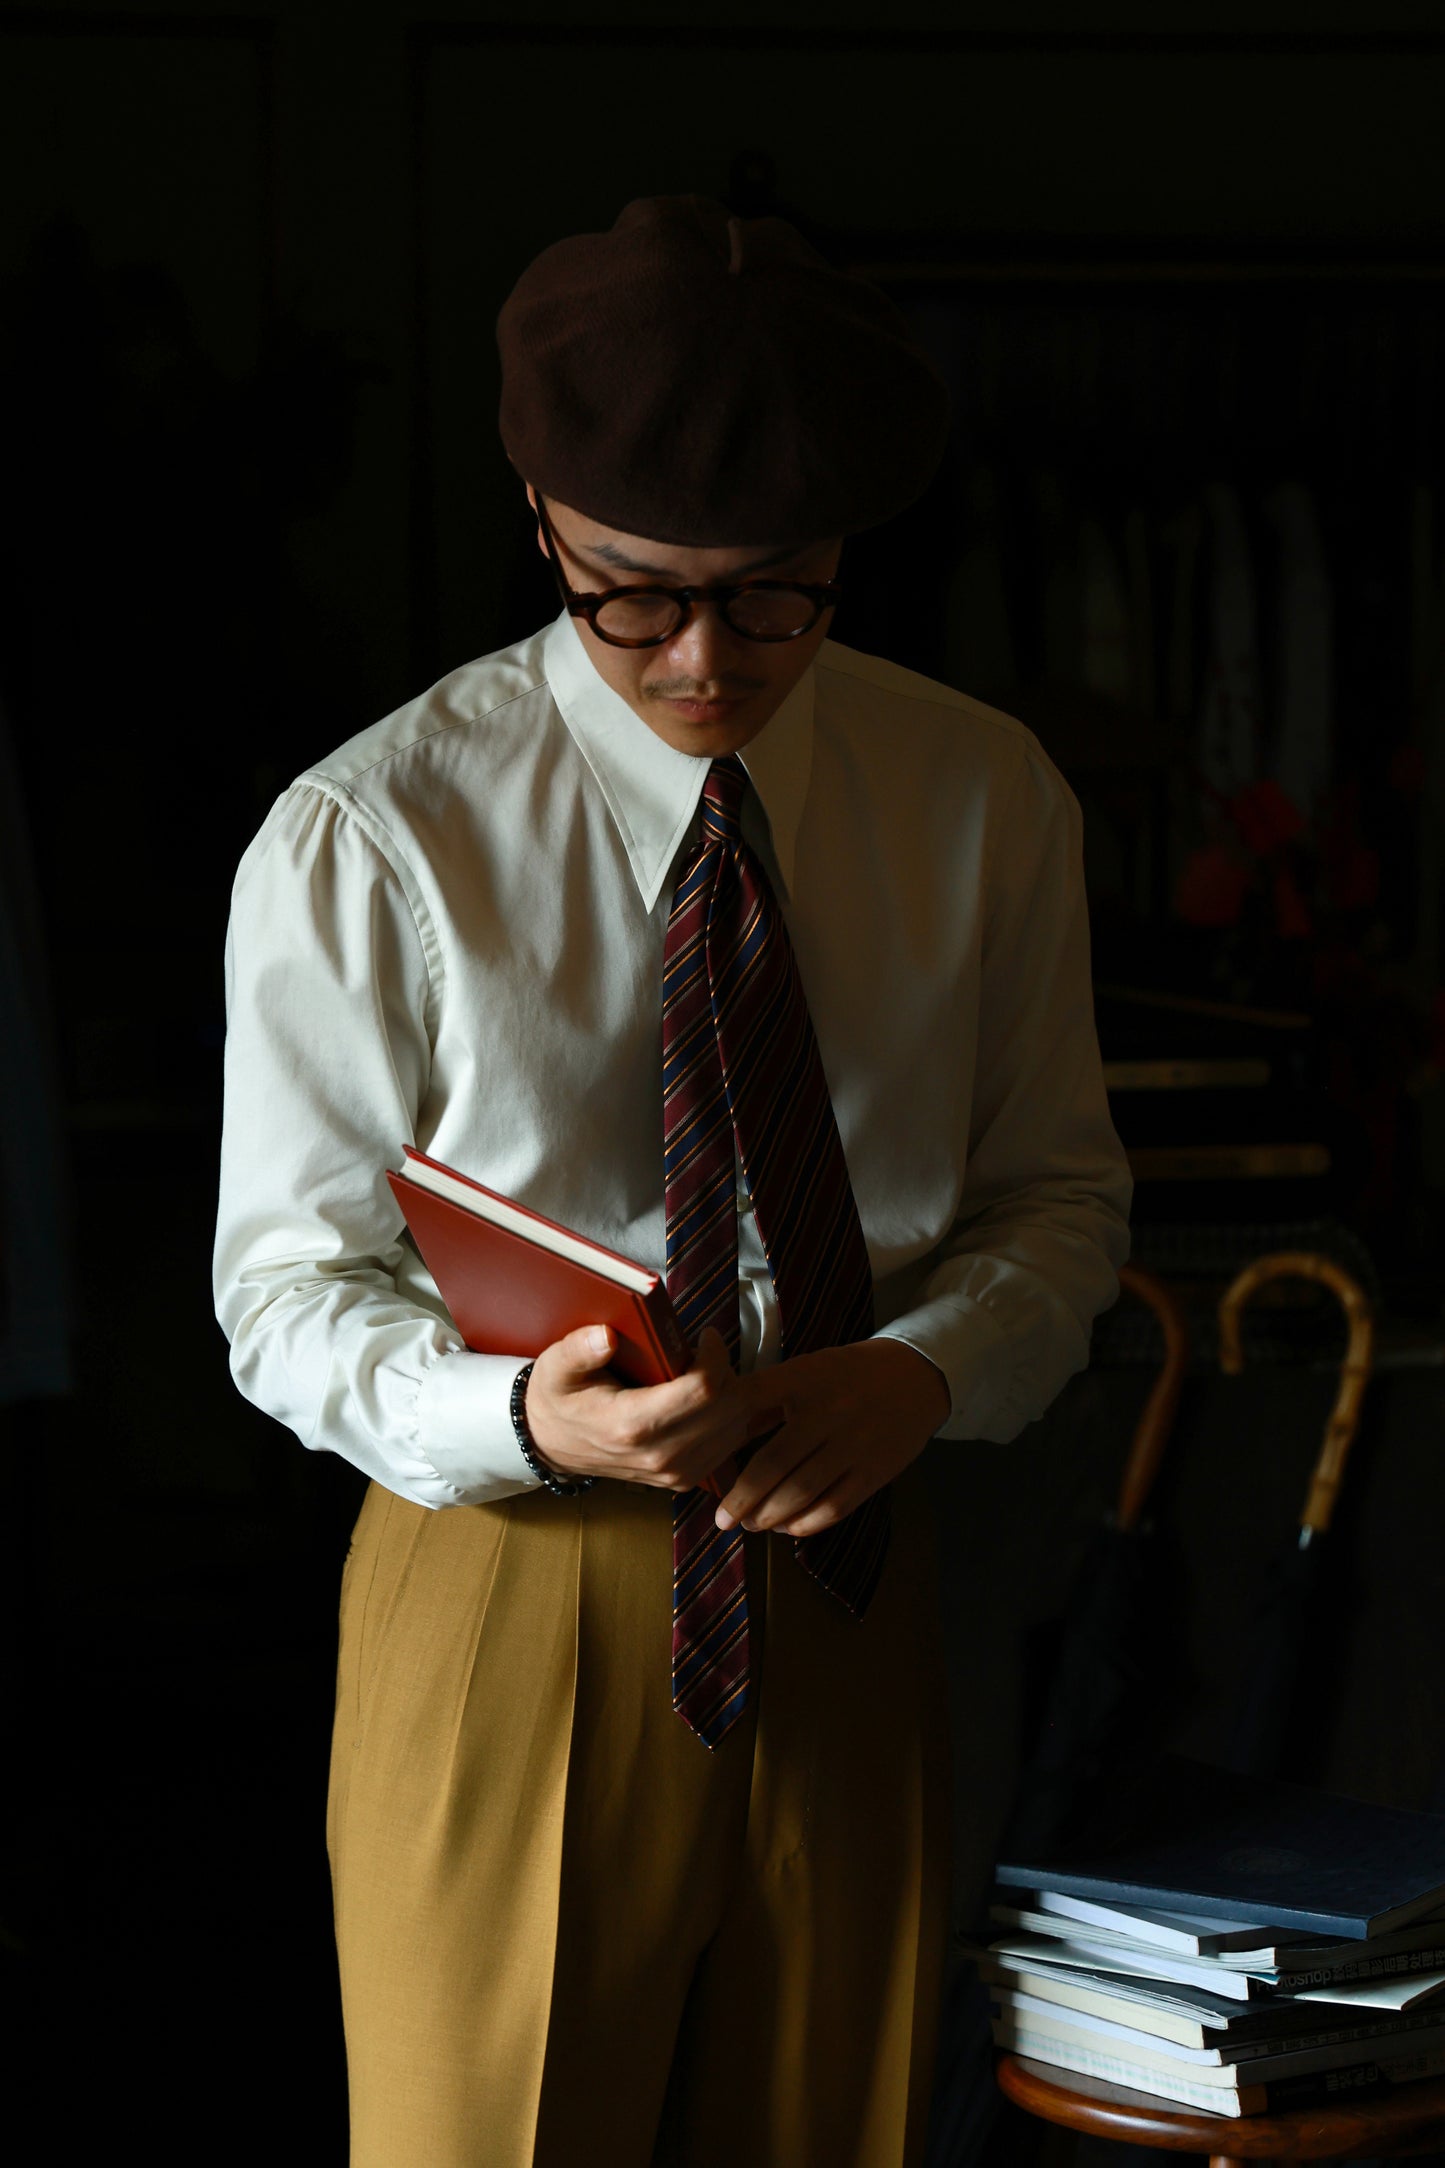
[740, 1062]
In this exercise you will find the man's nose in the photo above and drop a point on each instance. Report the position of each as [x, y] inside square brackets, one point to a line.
[703, 648]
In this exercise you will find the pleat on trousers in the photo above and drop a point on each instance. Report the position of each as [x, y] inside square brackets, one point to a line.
[567, 1931]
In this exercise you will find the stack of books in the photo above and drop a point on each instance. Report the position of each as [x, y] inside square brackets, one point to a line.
[1252, 1947]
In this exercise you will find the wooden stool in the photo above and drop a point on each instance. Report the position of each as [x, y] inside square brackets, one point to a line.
[1398, 2120]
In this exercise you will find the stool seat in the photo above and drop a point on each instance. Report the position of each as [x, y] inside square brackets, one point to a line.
[1395, 2121]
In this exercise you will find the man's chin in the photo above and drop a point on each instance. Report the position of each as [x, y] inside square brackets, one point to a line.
[708, 730]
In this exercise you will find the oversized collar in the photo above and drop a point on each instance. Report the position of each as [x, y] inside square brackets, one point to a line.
[652, 790]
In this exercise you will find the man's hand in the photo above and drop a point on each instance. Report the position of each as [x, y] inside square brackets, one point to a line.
[585, 1422]
[842, 1423]
[852, 1418]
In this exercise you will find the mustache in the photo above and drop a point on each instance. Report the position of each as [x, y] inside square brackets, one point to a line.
[723, 688]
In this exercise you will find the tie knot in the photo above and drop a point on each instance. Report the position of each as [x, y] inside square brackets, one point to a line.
[722, 798]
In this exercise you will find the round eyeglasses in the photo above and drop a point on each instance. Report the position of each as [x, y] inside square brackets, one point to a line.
[647, 616]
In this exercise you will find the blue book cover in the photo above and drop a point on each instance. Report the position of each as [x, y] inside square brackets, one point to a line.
[1187, 1837]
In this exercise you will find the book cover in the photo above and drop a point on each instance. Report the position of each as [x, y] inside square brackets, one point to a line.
[1186, 2088]
[1188, 2085]
[1192, 1838]
[1309, 1964]
[1189, 2016]
[1170, 1930]
[1296, 1964]
[515, 1282]
[1042, 1921]
[1402, 1991]
[1083, 1956]
[1258, 2061]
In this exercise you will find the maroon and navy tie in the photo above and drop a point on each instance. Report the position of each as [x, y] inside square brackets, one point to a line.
[740, 1062]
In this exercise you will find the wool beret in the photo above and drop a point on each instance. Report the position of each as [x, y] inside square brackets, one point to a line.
[712, 381]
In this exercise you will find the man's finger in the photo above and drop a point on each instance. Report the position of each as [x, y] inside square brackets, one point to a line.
[799, 1491]
[712, 1353]
[788, 1459]
[581, 1355]
[825, 1511]
[720, 1480]
[762, 1400]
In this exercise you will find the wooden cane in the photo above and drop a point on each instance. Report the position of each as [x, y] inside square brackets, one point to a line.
[1157, 1421]
[1354, 1374]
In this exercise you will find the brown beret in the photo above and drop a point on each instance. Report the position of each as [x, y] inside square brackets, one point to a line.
[711, 381]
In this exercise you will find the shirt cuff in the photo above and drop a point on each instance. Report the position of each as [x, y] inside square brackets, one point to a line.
[464, 1426]
[971, 1349]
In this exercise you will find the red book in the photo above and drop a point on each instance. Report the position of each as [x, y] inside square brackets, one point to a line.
[515, 1282]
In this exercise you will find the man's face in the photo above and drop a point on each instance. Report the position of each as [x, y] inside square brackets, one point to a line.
[707, 690]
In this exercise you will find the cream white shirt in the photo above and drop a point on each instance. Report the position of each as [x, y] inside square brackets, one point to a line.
[450, 934]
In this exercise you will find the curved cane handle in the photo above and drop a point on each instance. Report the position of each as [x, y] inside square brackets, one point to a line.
[1354, 1372]
[1157, 1421]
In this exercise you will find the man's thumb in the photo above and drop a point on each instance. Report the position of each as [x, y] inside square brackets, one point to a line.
[589, 1348]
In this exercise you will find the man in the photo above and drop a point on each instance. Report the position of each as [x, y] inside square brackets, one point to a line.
[765, 964]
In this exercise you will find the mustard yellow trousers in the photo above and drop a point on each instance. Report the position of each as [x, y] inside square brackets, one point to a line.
[571, 1935]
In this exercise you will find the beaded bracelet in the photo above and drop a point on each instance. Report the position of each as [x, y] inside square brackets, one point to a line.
[561, 1486]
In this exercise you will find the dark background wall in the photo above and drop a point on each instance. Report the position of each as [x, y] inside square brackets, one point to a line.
[253, 498]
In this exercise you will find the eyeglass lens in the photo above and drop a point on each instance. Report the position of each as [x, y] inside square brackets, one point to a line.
[759, 613]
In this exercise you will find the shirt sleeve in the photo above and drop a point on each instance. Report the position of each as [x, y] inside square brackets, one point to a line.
[1042, 1224]
[335, 1328]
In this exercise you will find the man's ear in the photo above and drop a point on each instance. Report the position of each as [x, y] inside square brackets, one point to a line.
[532, 500]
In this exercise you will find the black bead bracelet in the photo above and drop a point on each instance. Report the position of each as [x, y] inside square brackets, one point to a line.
[561, 1486]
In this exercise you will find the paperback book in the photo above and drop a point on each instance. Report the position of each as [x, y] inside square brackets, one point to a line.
[1243, 1946]
[1284, 2056]
[1300, 1965]
[1208, 1842]
[1233, 2092]
[1188, 2015]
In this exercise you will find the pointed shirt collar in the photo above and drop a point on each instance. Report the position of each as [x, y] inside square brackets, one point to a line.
[651, 789]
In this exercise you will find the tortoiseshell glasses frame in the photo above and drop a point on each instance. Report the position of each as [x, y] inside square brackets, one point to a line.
[754, 598]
